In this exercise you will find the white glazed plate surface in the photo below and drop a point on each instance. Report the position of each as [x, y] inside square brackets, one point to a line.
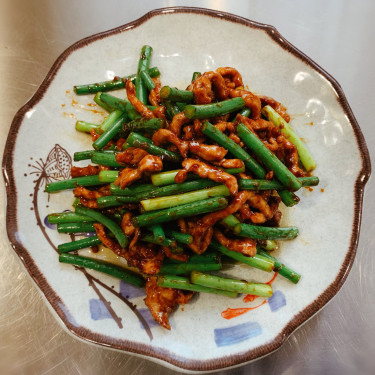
[105, 311]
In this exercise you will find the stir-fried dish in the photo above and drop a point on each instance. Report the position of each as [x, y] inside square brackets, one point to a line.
[179, 179]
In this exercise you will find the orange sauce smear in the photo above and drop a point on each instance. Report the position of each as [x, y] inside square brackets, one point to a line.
[70, 115]
[273, 279]
[75, 104]
[249, 298]
[91, 107]
[233, 313]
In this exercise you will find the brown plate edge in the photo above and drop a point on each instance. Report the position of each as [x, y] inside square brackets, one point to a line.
[147, 350]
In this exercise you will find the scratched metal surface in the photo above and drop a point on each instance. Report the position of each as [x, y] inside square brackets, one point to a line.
[338, 35]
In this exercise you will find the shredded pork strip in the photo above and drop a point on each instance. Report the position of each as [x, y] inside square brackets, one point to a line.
[131, 156]
[177, 122]
[90, 170]
[154, 96]
[94, 135]
[230, 163]
[247, 213]
[245, 246]
[291, 158]
[239, 199]
[147, 258]
[205, 170]
[89, 203]
[136, 103]
[211, 153]
[278, 107]
[179, 257]
[202, 234]
[159, 112]
[231, 76]
[225, 126]
[119, 143]
[252, 101]
[82, 192]
[163, 136]
[107, 241]
[127, 224]
[150, 163]
[194, 132]
[208, 86]
[254, 125]
[163, 301]
[257, 201]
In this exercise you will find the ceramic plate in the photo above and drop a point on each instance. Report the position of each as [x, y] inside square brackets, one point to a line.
[107, 312]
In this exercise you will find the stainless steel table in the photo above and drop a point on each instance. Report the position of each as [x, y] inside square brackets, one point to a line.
[339, 35]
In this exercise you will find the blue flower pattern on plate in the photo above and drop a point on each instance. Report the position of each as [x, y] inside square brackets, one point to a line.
[238, 333]
[277, 301]
[130, 291]
[98, 310]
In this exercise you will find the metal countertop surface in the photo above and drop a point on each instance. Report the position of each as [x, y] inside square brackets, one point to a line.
[338, 35]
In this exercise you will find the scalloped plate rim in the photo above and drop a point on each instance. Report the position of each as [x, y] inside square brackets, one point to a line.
[146, 351]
